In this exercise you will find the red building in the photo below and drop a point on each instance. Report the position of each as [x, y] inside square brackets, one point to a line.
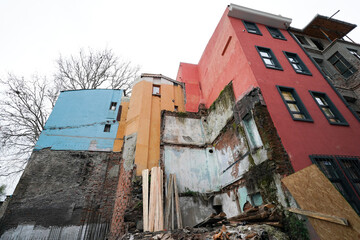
[254, 49]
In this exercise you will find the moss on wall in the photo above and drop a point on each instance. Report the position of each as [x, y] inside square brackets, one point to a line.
[226, 99]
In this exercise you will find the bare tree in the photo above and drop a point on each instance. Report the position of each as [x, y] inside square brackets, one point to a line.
[95, 69]
[24, 109]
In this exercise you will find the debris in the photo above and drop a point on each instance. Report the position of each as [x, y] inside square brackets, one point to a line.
[264, 213]
[211, 220]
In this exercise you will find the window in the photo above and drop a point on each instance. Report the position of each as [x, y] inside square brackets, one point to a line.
[296, 63]
[113, 106]
[351, 167]
[354, 52]
[252, 132]
[302, 40]
[341, 65]
[251, 27]
[268, 58]
[176, 108]
[275, 33]
[107, 128]
[318, 44]
[294, 105]
[328, 108]
[156, 90]
[336, 169]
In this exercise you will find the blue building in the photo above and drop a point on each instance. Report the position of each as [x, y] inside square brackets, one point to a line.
[82, 120]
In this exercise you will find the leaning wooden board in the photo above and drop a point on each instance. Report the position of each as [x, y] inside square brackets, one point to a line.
[314, 192]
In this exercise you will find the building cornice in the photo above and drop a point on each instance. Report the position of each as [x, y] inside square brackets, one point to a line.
[257, 16]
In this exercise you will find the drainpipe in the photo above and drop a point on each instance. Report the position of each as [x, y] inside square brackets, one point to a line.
[326, 78]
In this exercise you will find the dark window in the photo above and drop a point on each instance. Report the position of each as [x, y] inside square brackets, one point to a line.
[107, 128]
[302, 40]
[294, 105]
[335, 168]
[156, 90]
[118, 117]
[343, 66]
[354, 53]
[296, 63]
[351, 167]
[318, 44]
[328, 108]
[113, 106]
[176, 108]
[275, 33]
[251, 27]
[268, 58]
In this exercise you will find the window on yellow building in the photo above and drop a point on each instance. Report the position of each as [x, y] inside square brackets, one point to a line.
[156, 90]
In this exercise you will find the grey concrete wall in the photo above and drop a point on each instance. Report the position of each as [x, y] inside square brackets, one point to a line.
[62, 189]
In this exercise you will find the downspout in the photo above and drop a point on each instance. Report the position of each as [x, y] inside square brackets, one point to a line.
[326, 78]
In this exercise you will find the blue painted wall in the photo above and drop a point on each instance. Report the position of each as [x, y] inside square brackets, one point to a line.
[78, 119]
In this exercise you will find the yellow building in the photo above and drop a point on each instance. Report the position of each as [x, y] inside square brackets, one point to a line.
[151, 94]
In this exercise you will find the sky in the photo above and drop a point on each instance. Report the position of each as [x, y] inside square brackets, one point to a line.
[156, 35]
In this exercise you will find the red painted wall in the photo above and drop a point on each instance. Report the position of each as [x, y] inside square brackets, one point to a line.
[242, 64]
[300, 139]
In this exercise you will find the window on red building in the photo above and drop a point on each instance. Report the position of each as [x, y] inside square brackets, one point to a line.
[251, 27]
[268, 58]
[328, 108]
[294, 104]
[275, 33]
[296, 63]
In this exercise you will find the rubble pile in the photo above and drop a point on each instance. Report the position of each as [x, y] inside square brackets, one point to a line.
[224, 232]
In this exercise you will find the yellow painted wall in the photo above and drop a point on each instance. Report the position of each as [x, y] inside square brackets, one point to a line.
[144, 118]
[119, 141]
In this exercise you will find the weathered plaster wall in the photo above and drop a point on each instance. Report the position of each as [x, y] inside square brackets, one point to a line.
[183, 130]
[78, 119]
[64, 190]
[194, 210]
[222, 162]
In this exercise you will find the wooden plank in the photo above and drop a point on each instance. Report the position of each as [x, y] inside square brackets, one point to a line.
[177, 202]
[152, 200]
[157, 209]
[172, 207]
[145, 193]
[321, 216]
[314, 192]
[168, 202]
[161, 220]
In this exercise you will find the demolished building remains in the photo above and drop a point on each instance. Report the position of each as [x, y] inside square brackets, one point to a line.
[254, 131]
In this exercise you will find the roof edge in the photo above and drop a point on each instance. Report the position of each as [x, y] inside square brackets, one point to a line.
[257, 16]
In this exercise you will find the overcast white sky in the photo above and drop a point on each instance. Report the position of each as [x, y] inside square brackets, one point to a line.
[155, 34]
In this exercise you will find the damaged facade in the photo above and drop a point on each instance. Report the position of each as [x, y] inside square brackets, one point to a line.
[67, 189]
[254, 114]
